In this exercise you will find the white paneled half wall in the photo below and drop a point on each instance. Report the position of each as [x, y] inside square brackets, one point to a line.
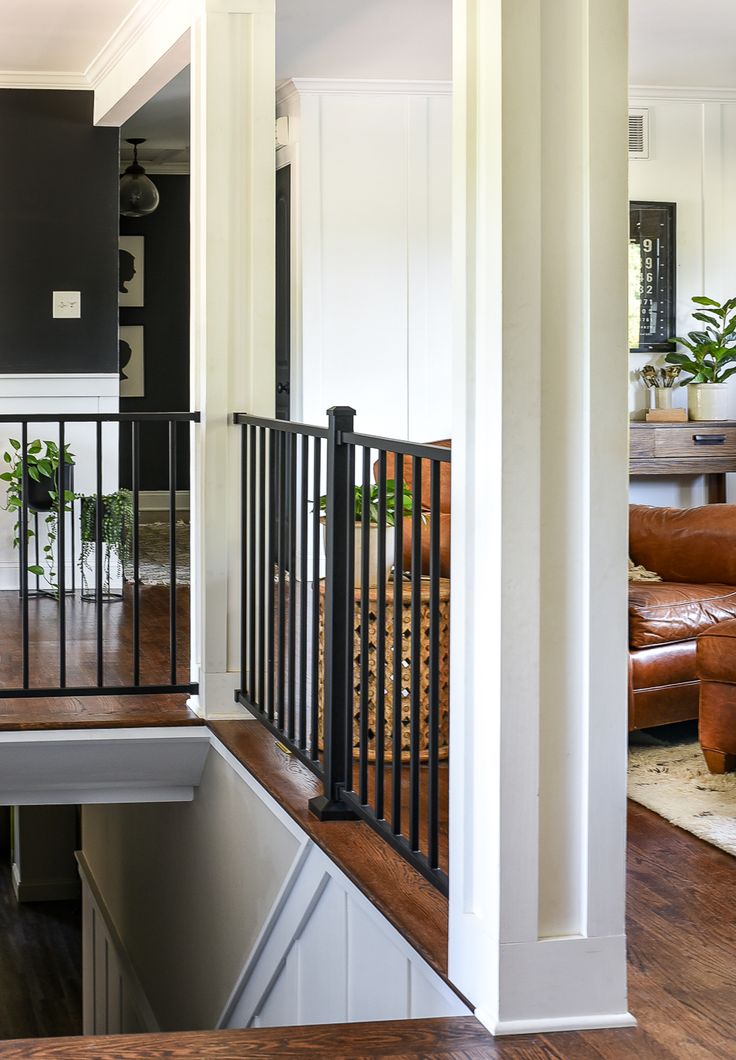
[371, 252]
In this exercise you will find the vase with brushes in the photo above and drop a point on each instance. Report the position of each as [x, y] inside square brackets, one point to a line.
[660, 383]
[44, 495]
[710, 360]
[116, 541]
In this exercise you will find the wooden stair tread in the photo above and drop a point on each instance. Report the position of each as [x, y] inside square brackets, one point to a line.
[461, 1037]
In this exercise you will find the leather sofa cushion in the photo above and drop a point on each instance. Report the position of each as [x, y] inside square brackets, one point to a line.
[667, 612]
[663, 665]
[716, 656]
[693, 545]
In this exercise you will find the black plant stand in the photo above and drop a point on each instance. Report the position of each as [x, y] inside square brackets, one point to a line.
[33, 594]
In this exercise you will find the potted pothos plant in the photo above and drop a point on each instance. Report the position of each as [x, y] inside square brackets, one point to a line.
[116, 539]
[710, 360]
[366, 499]
[44, 494]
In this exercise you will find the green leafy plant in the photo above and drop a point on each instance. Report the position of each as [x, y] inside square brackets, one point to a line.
[369, 496]
[43, 463]
[713, 350]
[117, 531]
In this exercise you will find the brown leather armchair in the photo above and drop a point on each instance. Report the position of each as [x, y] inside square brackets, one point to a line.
[694, 550]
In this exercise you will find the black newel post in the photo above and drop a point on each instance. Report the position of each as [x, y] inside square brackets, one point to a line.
[338, 619]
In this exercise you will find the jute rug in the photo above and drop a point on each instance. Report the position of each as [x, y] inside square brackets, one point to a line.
[154, 554]
[673, 780]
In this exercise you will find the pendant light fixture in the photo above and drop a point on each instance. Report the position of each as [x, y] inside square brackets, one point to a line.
[138, 194]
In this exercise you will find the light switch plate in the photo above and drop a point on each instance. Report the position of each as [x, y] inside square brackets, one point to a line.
[66, 304]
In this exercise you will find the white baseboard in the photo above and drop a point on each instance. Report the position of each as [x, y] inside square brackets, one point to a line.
[44, 890]
[154, 505]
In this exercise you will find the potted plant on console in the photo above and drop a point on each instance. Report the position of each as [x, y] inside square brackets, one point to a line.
[368, 497]
[711, 359]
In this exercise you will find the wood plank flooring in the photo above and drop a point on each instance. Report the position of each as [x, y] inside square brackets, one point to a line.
[81, 625]
[94, 711]
[40, 965]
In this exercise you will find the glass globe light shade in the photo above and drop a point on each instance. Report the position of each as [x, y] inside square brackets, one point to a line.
[138, 194]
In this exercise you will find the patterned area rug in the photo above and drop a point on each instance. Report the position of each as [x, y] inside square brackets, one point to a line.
[673, 780]
[154, 554]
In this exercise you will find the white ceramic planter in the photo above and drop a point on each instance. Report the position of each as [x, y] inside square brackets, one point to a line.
[707, 401]
[372, 553]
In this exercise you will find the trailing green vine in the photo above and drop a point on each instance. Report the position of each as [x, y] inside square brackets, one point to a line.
[42, 462]
[117, 530]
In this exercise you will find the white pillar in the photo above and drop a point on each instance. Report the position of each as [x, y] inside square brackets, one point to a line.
[538, 736]
[233, 193]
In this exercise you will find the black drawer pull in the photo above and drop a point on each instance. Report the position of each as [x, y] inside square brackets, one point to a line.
[709, 439]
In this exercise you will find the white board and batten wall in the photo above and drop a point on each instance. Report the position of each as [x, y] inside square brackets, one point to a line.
[221, 912]
[692, 162]
[371, 252]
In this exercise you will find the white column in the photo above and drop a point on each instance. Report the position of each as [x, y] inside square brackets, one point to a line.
[538, 733]
[233, 113]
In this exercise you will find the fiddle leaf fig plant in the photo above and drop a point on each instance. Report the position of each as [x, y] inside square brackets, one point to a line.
[43, 461]
[712, 351]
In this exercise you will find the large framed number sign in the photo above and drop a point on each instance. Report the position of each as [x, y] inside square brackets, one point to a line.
[651, 276]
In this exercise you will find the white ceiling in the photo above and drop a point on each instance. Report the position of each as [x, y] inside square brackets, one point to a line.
[683, 42]
[63, 36]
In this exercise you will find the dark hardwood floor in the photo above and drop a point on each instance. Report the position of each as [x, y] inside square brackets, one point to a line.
[40, 965]
[94, 711]
[81, 625]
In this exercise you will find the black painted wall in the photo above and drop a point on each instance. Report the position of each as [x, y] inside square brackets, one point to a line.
[58, 232]
[165, 320]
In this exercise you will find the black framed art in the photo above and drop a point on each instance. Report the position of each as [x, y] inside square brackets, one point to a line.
[652, 231]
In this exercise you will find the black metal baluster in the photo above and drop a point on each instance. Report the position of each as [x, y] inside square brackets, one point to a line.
[61, 552]
[381, 634]
[352, 635]
[303, 549]
[136, 483]
[365, 627]
[246, 603]
[293, 590]
[252, 581]
[338, 620]
[172, 549]
[416, 655]
[23, 544]
[434, 665]
[317, 598]
[98, 555]
[262, 502]
[282, 518]
[397, 701]
[273, 525]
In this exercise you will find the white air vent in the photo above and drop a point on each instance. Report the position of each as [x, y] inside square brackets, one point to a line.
[638, 134]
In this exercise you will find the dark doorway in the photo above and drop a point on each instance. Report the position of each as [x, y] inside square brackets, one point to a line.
[283, 293]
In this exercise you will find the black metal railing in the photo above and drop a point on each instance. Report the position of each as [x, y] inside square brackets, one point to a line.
[80, 642]
[345, 624]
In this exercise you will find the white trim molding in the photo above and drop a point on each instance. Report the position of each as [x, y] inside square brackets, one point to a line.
[50, 79]
[681, 94]
[359, 86]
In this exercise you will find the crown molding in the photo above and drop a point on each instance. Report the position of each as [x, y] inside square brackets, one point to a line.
[133, 26]
[56, 79]
[681, 94]
[363, 86]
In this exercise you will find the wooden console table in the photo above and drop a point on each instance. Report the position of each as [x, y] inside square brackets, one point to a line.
[694, 448]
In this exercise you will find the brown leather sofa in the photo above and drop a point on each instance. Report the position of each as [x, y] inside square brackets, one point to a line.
[716, 654]
[694, 550]
[444, 508]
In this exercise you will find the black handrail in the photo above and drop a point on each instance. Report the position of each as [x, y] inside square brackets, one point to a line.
[347, 664]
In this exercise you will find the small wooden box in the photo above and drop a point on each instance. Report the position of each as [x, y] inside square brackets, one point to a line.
[667, 416]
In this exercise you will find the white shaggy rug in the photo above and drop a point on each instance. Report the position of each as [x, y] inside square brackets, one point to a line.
[674, 782]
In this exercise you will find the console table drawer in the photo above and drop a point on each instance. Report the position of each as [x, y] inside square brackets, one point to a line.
[694, 441]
